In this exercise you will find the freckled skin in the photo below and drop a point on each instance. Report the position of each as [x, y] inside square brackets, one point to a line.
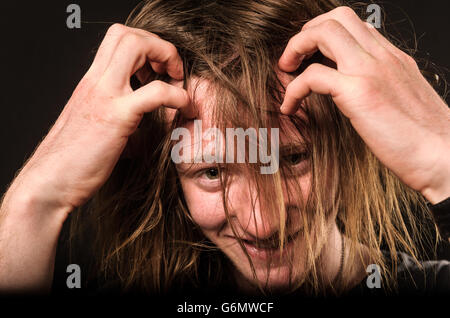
[204, 201]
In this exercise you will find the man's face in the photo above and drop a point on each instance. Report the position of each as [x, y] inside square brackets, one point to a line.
[203, 194]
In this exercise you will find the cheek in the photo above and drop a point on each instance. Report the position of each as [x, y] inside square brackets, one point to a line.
[304, 183]
[206, 208]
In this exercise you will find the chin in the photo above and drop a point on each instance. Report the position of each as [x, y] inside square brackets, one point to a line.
[276, 280]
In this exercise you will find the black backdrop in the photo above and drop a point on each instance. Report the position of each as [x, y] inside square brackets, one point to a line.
[42, 61]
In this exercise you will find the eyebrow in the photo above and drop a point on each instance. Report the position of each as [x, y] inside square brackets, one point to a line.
[292, 147]
[286, 148]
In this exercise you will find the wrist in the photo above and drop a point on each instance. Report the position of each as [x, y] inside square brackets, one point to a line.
[439, 189]
[30, 199]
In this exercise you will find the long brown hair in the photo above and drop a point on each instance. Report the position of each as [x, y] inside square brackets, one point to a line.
[144, 235]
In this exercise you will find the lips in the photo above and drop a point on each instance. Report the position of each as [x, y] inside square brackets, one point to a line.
[263, 249]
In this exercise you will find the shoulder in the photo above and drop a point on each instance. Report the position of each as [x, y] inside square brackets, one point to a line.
[422, 277]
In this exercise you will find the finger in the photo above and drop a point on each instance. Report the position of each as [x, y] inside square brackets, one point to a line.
[109, 44]
[388, 45]
[157, 93]
[316, 78]
[165, 59]
[352, 22]
[160, 68]
[332, 39]
[107, 48]
[132, 53]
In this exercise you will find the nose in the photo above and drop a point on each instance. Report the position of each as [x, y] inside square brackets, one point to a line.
[254, 219]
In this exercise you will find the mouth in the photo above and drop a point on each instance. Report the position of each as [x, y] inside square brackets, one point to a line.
[264, 249]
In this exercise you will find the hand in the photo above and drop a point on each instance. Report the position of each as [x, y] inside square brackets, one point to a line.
[83, 146]
[380, 89]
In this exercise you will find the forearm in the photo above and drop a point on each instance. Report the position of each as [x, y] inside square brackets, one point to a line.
[29, 228]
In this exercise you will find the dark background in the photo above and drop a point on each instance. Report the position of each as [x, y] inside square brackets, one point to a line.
[42, 61]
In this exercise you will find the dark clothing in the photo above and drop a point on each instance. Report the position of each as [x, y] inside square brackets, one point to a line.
[433, 278]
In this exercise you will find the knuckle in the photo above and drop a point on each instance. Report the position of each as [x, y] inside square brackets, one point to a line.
[116, 29]
[293, 42]
[345, 12]
[409, 59]
[290, 87]
[158, 87]
[306, 26]
[146, 33]
[130, 39]
[313, 68]
[171, 51]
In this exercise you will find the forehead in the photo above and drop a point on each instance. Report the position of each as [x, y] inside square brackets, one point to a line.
[197, 138]
[203, 98]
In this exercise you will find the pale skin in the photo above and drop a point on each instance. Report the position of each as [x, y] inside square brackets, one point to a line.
[203, 192]
[397, 113]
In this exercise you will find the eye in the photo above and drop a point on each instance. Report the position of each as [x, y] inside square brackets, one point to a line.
[212, 173]
[295, 158]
